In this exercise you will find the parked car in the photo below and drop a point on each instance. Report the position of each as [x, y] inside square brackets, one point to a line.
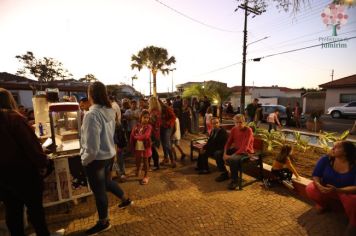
[267, 109]
[346, 110]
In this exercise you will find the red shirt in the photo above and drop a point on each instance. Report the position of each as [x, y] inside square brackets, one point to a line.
[168, 118]
[241, 139]
[155, 121]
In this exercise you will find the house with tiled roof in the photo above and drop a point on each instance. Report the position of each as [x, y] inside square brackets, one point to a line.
[23, 88]
[340, 91]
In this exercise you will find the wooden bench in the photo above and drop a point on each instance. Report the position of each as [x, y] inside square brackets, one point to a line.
[256, 158]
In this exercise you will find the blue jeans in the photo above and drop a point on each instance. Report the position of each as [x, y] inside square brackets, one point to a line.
[235, 165]
[166, 142]
[98, 174]
[121, 162]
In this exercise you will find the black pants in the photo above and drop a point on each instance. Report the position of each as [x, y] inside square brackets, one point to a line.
[25, 189]
[203, 163]
[283, 174]
[155, 156]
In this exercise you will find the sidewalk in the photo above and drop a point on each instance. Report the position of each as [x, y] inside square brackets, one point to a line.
[180, 202]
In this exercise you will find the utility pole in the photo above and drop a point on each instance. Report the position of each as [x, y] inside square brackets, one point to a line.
[247, 10]
[332, 75]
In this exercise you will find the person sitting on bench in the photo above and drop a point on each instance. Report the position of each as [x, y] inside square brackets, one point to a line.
[241, 137]
[214, 147]
[334, 180]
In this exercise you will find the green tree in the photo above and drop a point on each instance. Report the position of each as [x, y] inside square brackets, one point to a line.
[45, 69]
[89, 78]
[216, 91]
[155, 59]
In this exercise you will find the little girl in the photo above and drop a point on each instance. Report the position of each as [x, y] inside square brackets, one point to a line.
[140, 141]
[208, 118]
[282, 169]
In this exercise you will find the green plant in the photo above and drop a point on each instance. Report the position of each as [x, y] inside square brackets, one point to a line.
[272, 139]
[301, 143]
[326, 139]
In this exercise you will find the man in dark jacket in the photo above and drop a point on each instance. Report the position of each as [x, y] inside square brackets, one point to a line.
[214, 147]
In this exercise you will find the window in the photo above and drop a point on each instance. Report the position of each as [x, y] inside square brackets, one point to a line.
[347, 97]
[352, 104]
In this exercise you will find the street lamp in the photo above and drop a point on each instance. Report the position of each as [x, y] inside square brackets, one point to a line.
[172, 77]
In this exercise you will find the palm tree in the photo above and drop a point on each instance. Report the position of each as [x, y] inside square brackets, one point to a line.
[155, 59]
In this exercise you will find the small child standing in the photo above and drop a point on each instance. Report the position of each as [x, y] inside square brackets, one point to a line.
[208, 118]
[140, 141]
[175, 142]
[282, 169]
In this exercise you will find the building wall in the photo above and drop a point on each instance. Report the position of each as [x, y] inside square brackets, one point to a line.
[235, 100]
[268, 101]
[273, 92]
[24, 97]
[333, 96]
[313, 105]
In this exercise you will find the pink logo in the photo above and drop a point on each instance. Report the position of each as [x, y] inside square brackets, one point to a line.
[334, 15]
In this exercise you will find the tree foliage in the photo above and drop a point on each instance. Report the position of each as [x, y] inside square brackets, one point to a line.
[45, 69]
[156, 59]
[89, 78]
[216, 91]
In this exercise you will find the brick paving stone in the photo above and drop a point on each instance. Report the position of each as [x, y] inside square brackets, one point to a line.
[180, 202]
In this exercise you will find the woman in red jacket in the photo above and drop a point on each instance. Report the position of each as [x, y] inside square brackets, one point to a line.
[22, 162]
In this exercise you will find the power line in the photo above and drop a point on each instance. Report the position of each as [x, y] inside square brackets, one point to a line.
[285, 21]
[271, 55]
[218, 69]
[299, 49]
[288, 43]
[195, 20]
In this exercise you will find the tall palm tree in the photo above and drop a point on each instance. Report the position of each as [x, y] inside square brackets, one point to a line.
[155, 59]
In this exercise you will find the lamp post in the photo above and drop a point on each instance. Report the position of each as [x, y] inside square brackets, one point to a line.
[172, 77]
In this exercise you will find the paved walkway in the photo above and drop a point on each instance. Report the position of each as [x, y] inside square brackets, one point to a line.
[180, 202]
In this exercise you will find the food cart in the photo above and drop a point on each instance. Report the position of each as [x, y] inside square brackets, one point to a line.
[68, 181]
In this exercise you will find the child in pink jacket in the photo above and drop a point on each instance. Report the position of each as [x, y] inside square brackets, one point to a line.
[140, 142]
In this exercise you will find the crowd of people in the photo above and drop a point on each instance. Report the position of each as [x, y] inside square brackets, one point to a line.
[110, 130]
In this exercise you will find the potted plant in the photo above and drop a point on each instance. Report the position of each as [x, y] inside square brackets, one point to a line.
[314, 122]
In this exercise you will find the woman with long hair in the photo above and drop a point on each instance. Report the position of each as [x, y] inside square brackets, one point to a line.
[334, 178]
[22, 164]
[97, 153]
[154, 107]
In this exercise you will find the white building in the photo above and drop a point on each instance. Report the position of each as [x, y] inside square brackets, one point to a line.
[340, 91]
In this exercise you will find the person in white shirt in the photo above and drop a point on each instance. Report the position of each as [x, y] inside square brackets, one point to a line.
[132, 115]
[273, 120]
[116, 108]
[176, 136]
[97, 152]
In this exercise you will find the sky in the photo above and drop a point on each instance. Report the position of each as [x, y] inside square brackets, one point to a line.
[205, 36]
